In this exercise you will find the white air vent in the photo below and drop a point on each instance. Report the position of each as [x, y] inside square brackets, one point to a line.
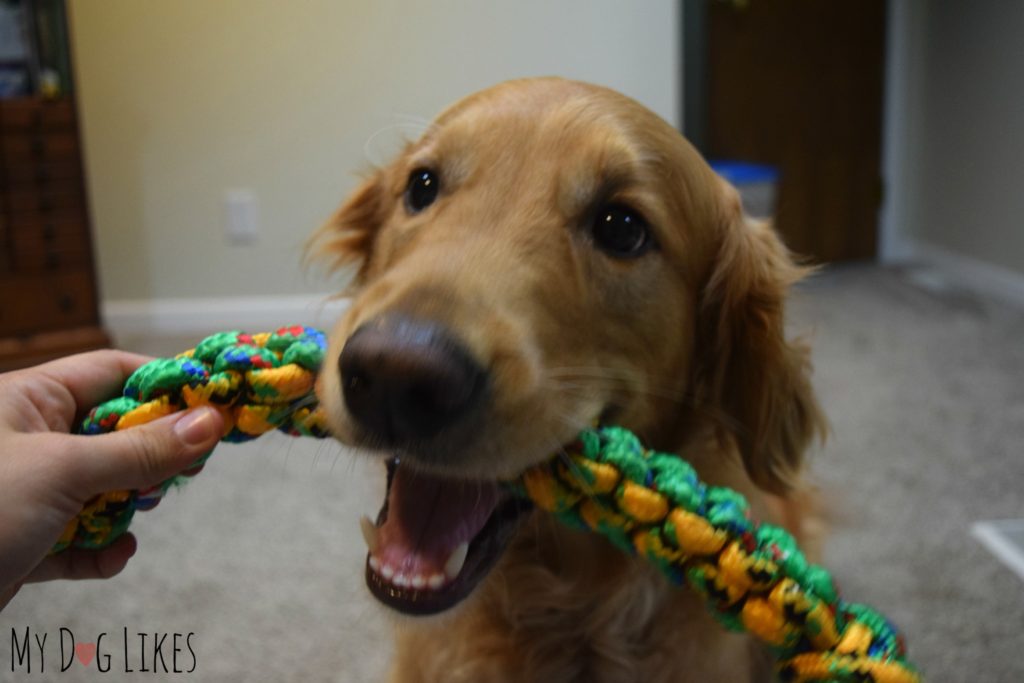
[1005, 539]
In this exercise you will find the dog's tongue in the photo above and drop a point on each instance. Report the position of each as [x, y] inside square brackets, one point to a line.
[428, 519]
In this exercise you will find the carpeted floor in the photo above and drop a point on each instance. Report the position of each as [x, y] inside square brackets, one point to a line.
[260, 557]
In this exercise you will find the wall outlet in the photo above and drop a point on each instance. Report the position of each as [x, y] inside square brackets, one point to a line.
[241, 216]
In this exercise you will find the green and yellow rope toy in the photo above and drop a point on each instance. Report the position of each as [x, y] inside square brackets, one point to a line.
[259, 382]
[753, 577]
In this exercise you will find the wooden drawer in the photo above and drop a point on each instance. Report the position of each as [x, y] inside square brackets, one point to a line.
[37, 114]
[45, 198]
[5, 249]
[27, 148]
[29, 220]
[42, 172]
[40, 302]
[47, 246]
[25, 351]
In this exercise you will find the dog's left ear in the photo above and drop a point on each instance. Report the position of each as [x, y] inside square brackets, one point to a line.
[347, 238]
[748, 374]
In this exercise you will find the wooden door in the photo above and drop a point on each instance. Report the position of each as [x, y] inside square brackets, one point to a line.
[799, 84]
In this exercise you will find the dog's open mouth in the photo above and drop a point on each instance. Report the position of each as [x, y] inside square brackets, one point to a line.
[436, 538]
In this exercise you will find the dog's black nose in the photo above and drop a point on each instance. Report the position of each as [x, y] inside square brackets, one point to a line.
[405, 379]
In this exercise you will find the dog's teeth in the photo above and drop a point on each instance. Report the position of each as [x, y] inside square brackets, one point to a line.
[418, 582]
[401, 580]
[369, 530]
[435, 581]
[455, 561]
[374, 563]
[387, 571]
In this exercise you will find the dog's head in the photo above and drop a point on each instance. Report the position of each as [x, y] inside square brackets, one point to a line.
[547, 255]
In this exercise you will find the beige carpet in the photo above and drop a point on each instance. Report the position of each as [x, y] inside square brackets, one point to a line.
[260, 557]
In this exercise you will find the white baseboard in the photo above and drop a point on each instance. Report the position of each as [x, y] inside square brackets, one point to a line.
[965, 271]
[200, 316]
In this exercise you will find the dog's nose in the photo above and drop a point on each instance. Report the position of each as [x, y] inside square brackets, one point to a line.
[405, 379]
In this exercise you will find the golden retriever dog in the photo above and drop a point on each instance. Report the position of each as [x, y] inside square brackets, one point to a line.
[550, 254]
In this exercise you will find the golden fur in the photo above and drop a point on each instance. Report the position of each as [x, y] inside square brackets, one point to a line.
[684, 345]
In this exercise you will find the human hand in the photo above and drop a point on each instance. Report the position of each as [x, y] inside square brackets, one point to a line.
[48, 474]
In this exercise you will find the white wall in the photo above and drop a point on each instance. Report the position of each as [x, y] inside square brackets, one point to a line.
[183, 99]
[955, 140]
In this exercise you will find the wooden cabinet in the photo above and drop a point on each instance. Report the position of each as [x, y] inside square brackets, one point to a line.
[48, 301]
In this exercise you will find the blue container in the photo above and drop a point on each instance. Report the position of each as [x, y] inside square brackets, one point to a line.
[758, 184]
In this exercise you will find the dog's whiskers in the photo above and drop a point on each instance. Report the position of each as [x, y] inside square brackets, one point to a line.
[584, 388]
[631, 379]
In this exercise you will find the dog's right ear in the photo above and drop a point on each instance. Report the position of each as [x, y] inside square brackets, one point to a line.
[346, 240]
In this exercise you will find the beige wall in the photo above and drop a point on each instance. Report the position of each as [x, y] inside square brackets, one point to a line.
[961, 132]
[183, 99]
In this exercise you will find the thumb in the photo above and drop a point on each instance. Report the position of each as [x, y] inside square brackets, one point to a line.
[146, 455]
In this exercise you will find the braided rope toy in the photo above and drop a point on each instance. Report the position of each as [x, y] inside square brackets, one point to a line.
[258, 382]
[753, 576]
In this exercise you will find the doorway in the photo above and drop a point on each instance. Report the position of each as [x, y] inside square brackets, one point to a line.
[797, 85]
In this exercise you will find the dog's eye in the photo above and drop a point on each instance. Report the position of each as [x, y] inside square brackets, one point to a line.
[621, 232]
[422, 189]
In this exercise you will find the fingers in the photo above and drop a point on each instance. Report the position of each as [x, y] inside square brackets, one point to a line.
[141, 456]
[93, 377]
[86, 564]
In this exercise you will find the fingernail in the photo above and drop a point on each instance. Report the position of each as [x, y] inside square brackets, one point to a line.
[196, 426]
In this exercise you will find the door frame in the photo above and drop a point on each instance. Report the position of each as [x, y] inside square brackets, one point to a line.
[904, 63]
[904, 71]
